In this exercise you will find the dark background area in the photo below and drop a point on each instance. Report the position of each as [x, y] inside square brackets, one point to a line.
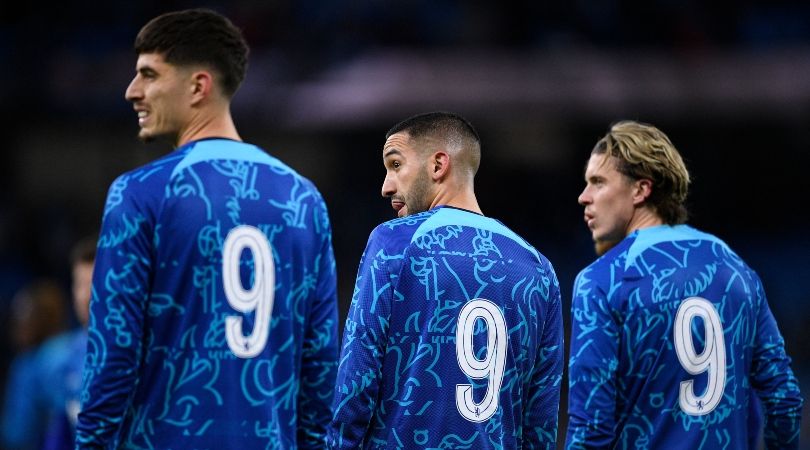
[730, 85]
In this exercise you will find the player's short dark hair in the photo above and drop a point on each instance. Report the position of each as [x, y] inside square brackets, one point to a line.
[642, 151]
[437, 122]
[84, 251]
[444, 125]
[198, 36]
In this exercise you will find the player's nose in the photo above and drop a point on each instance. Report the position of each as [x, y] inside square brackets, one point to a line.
[388, 187]
[584, 197]
[133, 92]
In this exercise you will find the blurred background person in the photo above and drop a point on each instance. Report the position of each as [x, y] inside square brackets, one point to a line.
[62, 357]
[38, 312]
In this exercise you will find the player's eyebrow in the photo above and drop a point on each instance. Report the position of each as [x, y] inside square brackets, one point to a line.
[392, 151]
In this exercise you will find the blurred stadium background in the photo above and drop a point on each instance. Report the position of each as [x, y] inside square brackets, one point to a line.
[542, 82]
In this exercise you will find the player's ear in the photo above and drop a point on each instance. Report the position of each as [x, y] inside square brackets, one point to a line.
[202, 83]
[440, 165]
[642, 189]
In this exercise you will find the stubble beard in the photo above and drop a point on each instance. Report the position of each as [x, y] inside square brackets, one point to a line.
[603, 246]
[417, 200]
[146, 138]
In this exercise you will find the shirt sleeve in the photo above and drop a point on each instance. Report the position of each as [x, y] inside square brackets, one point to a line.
[774, 381]
[121, 278]
[364, 344]
[595, 334]
[540, 418]
[319, 362]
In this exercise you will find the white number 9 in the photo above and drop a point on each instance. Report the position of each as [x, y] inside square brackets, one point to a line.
[713, 357]
[491, 367]
[258, 298]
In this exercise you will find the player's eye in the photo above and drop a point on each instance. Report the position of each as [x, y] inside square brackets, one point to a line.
[147, 73]
[395, 164]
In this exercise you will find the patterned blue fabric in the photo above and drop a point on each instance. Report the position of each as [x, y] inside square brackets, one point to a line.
[160, 371]
[400, 369]
[633, 339]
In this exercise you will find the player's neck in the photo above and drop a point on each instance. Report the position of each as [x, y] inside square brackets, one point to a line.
[463, 198]
[207, 125]
[643, 217]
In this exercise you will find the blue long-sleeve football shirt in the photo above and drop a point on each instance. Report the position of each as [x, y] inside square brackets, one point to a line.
[453, 339]
[672, 340]
[213, 312]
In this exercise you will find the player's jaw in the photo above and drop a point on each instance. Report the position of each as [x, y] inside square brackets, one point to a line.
[605, 235]
[412, 202]
[416, 199]
[154, 122]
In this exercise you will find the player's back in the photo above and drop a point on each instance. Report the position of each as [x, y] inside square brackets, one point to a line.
[473, 349]
[235, 293]
[690, 324]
